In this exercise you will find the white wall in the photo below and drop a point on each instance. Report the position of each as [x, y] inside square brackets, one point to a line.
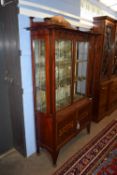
[26, 74]
[91, 8]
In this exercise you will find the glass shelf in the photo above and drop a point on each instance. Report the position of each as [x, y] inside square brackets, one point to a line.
[64, 102]
[78, 96]
[80, 78]
[80, 60]
[63, 82]
[40, 64]
[63, 96]
[43, 88]
[61, 63]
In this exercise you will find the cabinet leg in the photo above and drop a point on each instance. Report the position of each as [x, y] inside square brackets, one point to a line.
[38, 147]
[88, 128]
[38, 150]
[54, 157]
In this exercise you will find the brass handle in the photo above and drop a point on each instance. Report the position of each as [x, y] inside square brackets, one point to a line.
[103, 88]
[78, 125]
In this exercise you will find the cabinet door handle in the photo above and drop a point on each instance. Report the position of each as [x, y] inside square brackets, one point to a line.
[103, 88]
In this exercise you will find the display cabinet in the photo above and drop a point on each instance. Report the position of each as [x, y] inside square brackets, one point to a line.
[114, 62]
[62, 62]
[113, 93]
[104, 67]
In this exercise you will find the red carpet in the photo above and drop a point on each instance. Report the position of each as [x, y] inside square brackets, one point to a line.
[98, 157]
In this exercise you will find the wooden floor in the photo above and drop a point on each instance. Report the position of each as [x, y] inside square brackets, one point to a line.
[15, 164]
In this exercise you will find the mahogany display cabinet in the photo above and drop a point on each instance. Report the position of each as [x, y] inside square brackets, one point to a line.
[113, 94]
[62, 62]
[105, 68]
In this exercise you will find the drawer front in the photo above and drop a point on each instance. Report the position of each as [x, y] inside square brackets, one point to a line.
[103, 100]
[103, 95]
[66, 128]
[113, 95]
[83, 116]
[102, 111]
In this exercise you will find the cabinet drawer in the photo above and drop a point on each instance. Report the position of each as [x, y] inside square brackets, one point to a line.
[113, 94]
[102, 110]
[114, 84]
[66, 128]
[103, 95]
[84, 112]
[83, 116]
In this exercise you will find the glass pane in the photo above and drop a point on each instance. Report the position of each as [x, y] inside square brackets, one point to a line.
[63, 73]
[107, 51]
[80, 70]
[40, 74]
[114, 63]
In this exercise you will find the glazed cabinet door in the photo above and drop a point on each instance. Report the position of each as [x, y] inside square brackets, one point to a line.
[39, 74]
[80, 72]
[108, 51]
[63, 73]
[114, 63]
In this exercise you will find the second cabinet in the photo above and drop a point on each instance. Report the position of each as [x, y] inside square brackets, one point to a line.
[104, 67]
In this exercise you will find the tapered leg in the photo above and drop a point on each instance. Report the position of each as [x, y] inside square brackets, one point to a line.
[88, 128]
[54, 157]
[38, 147]
[38, 150]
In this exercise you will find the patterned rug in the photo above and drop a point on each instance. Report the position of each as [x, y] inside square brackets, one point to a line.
[98, 157]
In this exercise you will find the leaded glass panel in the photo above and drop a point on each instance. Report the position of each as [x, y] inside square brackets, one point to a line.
[40, 74]
[63, 73]
[80, 70]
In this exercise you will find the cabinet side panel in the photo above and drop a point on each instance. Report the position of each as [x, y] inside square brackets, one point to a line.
[45, 131]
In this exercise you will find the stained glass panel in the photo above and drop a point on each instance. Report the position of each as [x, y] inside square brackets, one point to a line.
[40, 78]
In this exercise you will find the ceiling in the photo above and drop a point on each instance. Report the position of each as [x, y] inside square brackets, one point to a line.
[112, 4]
